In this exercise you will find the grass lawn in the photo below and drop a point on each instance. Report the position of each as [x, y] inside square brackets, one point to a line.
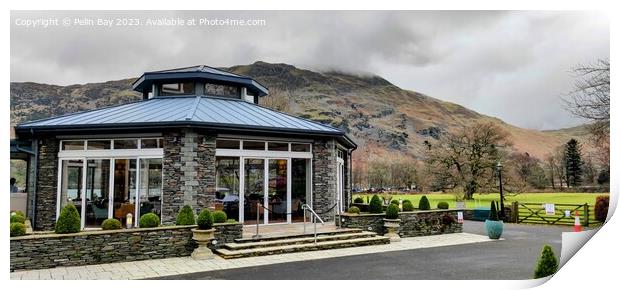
[484, 200]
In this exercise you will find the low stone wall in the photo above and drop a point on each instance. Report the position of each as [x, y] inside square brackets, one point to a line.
[40, 251]
[413, 224]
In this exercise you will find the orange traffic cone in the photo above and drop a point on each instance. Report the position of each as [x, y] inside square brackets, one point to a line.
[577, 223]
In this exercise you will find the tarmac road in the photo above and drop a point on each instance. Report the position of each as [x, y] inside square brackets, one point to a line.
[512, 258]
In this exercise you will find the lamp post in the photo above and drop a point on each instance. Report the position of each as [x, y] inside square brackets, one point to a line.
[501, 190]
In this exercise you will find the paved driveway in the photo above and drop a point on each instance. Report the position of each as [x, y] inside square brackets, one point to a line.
[513, 258]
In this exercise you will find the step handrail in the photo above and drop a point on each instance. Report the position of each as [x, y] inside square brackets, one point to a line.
[314, 217]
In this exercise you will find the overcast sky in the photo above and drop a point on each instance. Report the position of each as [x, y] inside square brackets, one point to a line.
[511, 65]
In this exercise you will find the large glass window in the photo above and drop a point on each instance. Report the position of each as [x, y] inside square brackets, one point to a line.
[124, 188]
[227, 186]
[97, 191]
[254, 190]
[300, 187]
[173, 89]
[278, 198]
[222, 91]
[71, 183]
[150, 186]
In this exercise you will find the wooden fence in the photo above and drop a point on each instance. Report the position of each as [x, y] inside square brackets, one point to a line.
[562, 214]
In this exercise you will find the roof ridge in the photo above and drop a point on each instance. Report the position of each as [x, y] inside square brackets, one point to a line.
[192, 111]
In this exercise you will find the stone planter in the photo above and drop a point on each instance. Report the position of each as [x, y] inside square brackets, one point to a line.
[391, 226]
[202, 237]
[494, 229]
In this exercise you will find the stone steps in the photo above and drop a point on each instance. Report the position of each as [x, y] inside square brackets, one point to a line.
[300, 244]
[301, 235]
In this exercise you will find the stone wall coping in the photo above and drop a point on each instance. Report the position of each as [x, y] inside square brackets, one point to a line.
[402, 212]
[107, 232]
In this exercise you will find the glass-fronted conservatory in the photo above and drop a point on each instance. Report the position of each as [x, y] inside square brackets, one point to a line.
[197, 138]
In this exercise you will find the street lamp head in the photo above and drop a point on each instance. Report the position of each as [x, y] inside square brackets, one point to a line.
[499, 165]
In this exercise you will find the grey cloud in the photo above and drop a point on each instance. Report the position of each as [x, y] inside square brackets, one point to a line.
[512, 65]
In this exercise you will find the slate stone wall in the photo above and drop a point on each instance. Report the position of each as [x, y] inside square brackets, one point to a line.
[324, 177]
[45, 216]
[416, 223]
[96, 247]
[189, 172]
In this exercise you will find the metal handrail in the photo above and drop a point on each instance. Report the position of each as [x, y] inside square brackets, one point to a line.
[314, 217]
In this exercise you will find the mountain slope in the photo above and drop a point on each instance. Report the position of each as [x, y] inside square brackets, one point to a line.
[378, 115]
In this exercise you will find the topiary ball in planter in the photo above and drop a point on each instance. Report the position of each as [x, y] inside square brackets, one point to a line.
[424, 204]
[358, 200]
[547, 263]
[354, 210]
[15, 218]
[219, 216]
[204, 220]
[394, 201]
[19, 213]
[111, 224]
[68, 220]
[392, 212]
[18, 229]
[149, 220]
[493, 225]
[186, 216]
[375, 206]
[407, 205]
[443, 205]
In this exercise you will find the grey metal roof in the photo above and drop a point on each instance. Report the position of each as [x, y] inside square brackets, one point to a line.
[204, 72]
[203, 111]
[198, 68]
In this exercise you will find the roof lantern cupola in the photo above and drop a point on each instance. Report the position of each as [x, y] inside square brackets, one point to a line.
[199, 80]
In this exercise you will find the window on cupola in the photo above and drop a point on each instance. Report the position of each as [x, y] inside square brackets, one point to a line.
[176, 89]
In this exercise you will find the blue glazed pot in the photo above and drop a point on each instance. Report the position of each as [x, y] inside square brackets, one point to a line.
[494, 228]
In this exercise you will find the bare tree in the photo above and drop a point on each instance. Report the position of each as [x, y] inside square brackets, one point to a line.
[467, 159]
[278, 100]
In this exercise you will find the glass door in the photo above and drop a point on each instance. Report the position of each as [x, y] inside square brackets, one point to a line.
[254, 190]
[97, 191]
[277, 194]
[125, 183]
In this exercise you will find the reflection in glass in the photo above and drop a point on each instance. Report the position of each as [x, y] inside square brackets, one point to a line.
[150, 186]
[71, 184]
[254, 190]
[97, 191]
[300, 187]
[277, 190]
[124, 188]
[227, 186]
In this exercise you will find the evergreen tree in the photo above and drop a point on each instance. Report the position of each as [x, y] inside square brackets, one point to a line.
[547, 263]
[573, 164]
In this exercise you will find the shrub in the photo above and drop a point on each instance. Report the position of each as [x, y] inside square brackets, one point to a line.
[358, 200]
[18, 229]
[407, 205]
[396, 202]
[205, 220]
[547, 263]
[111, 224]
[15, 218]
[493, 214]
[68, 220]
[19, 213]
[353, 209]
[186, 216]
[149, 220]
[424, 204]
[231, 221]
[443, 205]
[601, 207]
[219, 216]
[392, 211]
[375, 206]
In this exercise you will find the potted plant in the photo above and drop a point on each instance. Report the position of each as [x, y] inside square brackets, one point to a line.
[391, 222]
[203, 235]
[493, 225]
